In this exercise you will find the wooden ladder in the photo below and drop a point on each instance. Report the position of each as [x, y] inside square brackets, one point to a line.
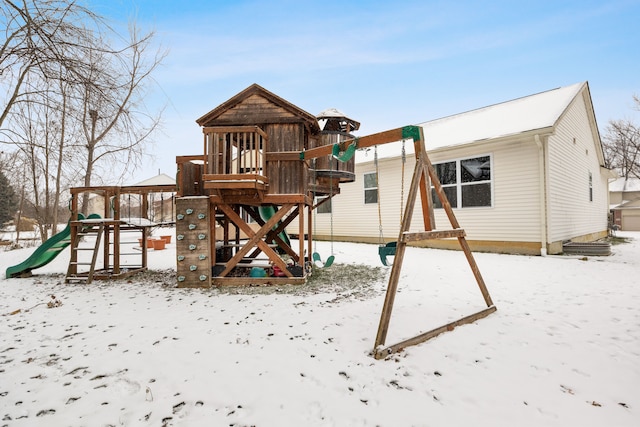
[72, 271]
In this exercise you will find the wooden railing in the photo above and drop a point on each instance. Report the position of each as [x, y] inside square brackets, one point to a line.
[234, 150]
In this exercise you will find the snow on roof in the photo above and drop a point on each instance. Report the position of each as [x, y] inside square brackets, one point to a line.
[520, 115]
[331, 112]
[622, 184]
[538, 111]
[160, 179]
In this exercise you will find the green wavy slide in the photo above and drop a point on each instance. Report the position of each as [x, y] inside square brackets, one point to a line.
[46, 252]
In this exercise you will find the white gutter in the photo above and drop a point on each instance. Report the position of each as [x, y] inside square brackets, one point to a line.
[543, 194]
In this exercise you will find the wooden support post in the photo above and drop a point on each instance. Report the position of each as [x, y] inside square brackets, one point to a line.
[394, 277]
[310, 231]
[425, 187]
[301, 236]
[145, 235]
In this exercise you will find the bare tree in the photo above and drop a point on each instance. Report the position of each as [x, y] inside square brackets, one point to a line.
[41, 37]
[72, 93]
[115, 121]
[621, 144]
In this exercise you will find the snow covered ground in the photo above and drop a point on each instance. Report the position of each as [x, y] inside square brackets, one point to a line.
[563, 349]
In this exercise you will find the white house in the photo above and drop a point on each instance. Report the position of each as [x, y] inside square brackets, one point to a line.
[159, 204]
[523, 176]
[625, 203]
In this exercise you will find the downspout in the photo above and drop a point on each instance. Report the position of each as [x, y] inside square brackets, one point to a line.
[543, 195]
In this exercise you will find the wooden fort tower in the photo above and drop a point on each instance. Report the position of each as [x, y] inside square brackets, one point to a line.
[236, 198]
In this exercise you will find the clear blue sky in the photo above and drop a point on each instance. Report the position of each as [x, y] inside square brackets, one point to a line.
[385, 64]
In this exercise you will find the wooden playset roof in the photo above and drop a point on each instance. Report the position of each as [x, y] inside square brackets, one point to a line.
[256, 106]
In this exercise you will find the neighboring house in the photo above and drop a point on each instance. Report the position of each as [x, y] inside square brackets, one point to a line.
[96, 204]
[624, 195]
[523, 176]
[160, 207]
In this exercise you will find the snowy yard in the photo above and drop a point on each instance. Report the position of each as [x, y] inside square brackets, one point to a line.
[563, 349]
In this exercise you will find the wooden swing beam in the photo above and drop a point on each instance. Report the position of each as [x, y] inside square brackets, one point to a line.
[423, 177]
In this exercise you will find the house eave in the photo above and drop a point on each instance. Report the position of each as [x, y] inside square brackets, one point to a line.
[529, 134]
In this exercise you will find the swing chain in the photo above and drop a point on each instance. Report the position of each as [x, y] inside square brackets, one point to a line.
[375, 162]
[331, 203]
[404, 160]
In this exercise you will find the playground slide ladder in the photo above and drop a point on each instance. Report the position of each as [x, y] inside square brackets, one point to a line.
[73, 275]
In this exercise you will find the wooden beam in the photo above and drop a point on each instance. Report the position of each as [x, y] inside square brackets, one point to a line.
[230, 177]
[185, 159]
[381, 353]
[274, 233]
[235, 185]
[245, 281]
[255, 239]
[432, 235]
[283, 155]
[234, 129]
[380, 138]
[394, 276]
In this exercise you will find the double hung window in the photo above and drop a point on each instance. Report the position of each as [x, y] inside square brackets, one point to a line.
[370, 188]
[467, 183]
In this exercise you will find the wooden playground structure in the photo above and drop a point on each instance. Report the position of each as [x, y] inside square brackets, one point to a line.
[236, 199]
[266, 163]
[120, 258]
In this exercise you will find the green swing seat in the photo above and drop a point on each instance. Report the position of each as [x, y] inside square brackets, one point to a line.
[343, 157]
[317, 260]
[387, 250]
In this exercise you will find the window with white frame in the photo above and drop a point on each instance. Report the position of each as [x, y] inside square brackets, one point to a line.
[590, 187]
[370, 188]
[325, 207]
[467, 183]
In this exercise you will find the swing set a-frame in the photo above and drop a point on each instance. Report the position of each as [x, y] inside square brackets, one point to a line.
[424, 177]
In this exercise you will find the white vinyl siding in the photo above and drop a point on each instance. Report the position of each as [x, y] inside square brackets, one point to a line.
[572, 155]
[520, 170]
[514, 214]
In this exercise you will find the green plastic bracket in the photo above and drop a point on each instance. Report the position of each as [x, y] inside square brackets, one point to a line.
[412, 132]
[347, 154]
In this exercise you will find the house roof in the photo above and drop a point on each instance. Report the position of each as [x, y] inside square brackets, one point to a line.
[529, 113]
[540, 111]
[624, 185]
[266, 115]
[160, 179]
[334, 119]
[627, 205]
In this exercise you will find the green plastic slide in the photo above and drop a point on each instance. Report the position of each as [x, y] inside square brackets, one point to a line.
[46, 252]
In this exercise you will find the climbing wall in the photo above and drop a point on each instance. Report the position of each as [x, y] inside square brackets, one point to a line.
[193, 256]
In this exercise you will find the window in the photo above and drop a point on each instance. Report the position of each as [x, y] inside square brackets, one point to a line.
[590, 187]
[448, 178]
[370, 188]
[466, 182]
[325, 207]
